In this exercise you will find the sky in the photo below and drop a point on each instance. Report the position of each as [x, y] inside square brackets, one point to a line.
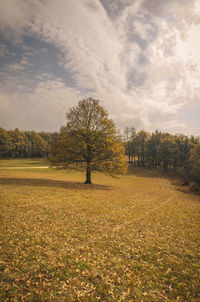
[139, 58]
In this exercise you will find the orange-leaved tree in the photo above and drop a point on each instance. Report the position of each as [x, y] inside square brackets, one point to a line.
[89, 142]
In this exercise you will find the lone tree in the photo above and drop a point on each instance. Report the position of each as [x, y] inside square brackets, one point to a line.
[89, 142]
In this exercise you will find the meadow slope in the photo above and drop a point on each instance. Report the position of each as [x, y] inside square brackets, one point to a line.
[133, 238]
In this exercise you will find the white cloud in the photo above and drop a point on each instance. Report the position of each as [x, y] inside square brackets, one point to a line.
[143, 30]
[188, 49]
[26, 111]
[24, 61]
[14, 67]
[104, 53]
[14, 16]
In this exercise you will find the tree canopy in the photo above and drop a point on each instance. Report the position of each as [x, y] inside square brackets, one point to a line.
[89, 141]
[24, 144]
[91, 137]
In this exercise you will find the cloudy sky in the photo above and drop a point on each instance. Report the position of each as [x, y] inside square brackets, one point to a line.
[140, 58]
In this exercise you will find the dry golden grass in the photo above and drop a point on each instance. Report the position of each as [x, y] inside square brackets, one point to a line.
[134, 238]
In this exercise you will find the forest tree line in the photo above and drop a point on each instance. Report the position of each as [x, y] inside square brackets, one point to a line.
[25, 144]
[177, 153]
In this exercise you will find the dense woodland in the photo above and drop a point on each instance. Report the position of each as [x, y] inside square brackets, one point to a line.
[177, 153]
[25, 144]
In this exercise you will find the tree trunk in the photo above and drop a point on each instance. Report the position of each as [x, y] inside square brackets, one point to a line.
[134, 160]
[138, 156]
[88, 175]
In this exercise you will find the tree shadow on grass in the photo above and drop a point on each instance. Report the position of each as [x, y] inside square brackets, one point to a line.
[40, 182]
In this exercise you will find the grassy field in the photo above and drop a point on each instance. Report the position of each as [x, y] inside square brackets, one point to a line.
[19, 163]
[134, 238]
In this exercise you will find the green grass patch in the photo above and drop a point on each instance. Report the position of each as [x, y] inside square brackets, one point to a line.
[25, 162]
[134, 238]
